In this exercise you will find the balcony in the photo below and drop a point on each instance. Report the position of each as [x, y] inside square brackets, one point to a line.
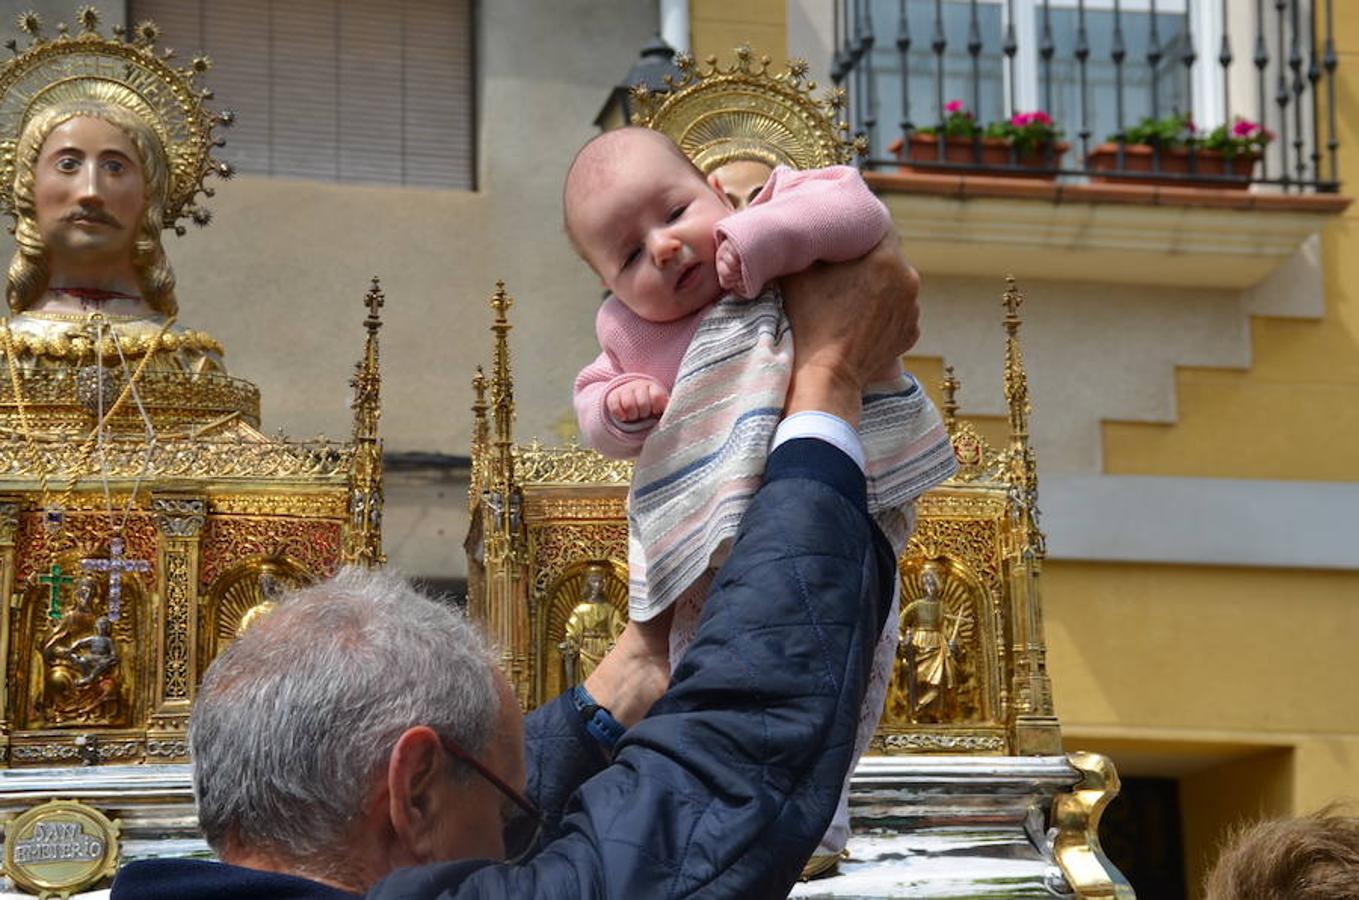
[1105, 140]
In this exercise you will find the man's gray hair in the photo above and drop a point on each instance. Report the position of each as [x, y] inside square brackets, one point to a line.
[298, 716]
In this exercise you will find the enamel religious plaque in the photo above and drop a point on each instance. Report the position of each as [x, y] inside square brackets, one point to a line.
[59, 848]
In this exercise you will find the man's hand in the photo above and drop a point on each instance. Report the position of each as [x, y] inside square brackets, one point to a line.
[635, 673]
[636, 400]
[851, 322]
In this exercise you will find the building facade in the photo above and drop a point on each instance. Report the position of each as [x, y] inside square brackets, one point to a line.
[1193, 356]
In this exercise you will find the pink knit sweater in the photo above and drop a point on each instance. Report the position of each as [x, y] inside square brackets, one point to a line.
[798, 218]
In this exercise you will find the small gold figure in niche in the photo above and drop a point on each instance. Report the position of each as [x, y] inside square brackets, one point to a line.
[591, 630]
[927, 669]
[271, 589]
[81, 677]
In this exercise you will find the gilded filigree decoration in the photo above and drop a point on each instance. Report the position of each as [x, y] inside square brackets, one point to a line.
[306, 506]
[559, 546]
[175, 685]
[572, 464]
[73, 346]
[313, 543]
[565, 508]
[172, 399]
[932, 742]
[86, 525]
[180, 517]
[171, 749]
[9, 520]
[57, 752]
[130, 459]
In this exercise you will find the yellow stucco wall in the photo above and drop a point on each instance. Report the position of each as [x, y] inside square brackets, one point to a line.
[718, 26]
[1295, 413]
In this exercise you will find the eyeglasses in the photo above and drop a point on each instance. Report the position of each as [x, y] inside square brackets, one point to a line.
[519, 841]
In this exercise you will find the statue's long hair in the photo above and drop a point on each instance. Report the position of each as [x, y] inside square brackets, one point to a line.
[28, 271]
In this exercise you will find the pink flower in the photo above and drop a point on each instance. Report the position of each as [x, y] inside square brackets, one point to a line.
[953, 106]
[1019, 120]
[1041, 118]
[1244, 128]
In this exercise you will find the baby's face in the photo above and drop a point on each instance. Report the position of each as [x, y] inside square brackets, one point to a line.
[646, 226]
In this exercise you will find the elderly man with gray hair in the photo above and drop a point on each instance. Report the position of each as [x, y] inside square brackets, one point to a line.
[360, 738]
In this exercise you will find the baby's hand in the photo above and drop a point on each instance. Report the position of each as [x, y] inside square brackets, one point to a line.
[634, 401]
[728, 266]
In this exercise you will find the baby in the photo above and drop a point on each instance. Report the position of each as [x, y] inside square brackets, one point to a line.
[697, 356]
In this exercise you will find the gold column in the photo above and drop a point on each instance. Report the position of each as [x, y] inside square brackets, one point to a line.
[9, 529]
[180, 520]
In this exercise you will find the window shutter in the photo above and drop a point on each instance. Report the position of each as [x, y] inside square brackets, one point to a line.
[336, 90]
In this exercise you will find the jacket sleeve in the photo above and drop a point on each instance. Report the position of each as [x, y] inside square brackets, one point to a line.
[724, 789]
[802, 217]
[599, 430]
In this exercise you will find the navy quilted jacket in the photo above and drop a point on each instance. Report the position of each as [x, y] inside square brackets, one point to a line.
[724, 789]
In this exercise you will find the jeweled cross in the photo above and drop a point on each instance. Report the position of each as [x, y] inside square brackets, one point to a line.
[54, 580]
[115, 566]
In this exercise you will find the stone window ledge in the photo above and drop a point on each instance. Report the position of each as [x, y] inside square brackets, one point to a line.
[1108, 233]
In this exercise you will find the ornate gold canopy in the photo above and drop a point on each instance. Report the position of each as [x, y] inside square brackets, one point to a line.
[129, 71]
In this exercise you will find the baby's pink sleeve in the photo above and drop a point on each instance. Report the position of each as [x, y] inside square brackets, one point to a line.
[599, 430]
[802, 217]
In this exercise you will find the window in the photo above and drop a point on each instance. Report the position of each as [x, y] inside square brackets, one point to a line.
[336, 90]
[1030, 88]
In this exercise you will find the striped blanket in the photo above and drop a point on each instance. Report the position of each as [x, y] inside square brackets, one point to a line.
[704, 460]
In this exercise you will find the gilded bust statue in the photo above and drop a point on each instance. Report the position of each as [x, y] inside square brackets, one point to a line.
[111, 150]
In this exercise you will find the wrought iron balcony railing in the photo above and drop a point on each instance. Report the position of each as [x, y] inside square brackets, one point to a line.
[1138, 88]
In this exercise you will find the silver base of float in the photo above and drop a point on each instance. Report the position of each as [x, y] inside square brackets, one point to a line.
[923, 826]
[974, 827]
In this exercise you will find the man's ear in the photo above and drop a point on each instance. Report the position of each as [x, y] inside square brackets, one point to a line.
[416, 767]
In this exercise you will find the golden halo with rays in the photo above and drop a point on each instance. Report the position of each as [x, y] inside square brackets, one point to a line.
[130, 73]
[719, 114]
[237, 591]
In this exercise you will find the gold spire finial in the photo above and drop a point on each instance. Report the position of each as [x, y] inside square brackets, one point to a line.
[949, 387]
[502, 381]
[363, 535]
[1022, 463]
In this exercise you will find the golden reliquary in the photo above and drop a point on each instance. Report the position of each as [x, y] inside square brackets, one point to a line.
[547, 552]
[145, 520]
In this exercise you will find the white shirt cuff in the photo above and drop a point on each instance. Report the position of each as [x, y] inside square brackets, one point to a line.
[822, 427]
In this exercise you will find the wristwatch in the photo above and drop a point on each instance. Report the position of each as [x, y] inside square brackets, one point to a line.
[599, 722]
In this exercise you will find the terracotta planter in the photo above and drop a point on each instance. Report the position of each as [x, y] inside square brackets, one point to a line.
[922, 155]
[1174, 161]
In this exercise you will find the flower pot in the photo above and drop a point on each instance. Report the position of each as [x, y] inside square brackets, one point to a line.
[1173, 161]
[922, 155]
